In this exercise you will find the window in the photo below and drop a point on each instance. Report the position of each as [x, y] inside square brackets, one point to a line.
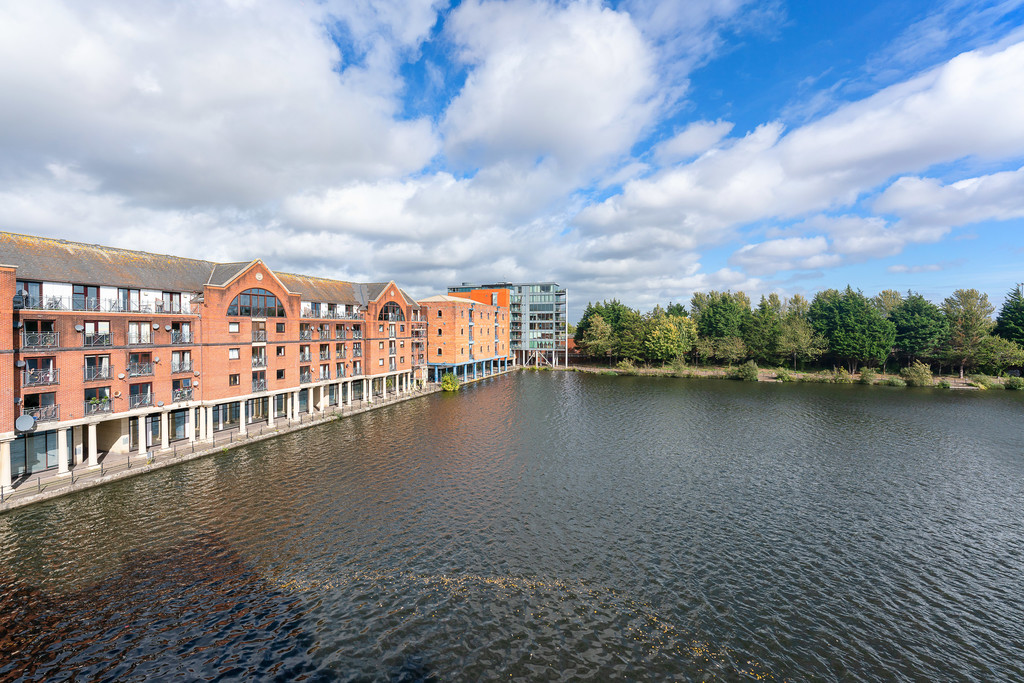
[129, 300]
[401, 328]
[140, 333]
[439, 313]
[391, 311]
[280, 328]
[181, 361]
[380, 361]
[439, 332]
[232, 354]
[439, 350]
[233, 380]
[232, 327]
[170, 302]
[401, 359]
[280, 374]
[380, 328]
[280, 350]
[97, 367]
[97, 333]
[380, 345]
[256, 303]
[33, 293]
[85, 297]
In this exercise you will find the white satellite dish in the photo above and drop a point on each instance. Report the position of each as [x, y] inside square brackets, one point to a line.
[25, 423]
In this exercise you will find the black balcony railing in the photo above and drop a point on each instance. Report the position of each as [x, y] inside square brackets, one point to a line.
[97, 339]
[43, 413]
[305, 335]
[179, 337]
[40, 340]
[96, 372]
[96, 406]
[178, 395]
[140, 369]
[140, 400]
[181, 366]
[259, 385]
[259, 362]
[40, 378]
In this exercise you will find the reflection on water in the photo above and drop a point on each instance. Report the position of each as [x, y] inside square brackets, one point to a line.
[548, 526]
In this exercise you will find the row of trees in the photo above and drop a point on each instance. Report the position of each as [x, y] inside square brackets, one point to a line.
[841, 327]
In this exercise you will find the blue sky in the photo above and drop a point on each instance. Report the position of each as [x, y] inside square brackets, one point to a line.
[636, 150]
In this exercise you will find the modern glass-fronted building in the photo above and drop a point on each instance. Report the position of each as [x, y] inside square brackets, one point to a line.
[539, 320]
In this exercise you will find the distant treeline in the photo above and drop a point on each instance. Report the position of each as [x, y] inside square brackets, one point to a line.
[843, 328]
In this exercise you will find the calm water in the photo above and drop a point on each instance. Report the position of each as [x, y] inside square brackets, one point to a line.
[551, 526]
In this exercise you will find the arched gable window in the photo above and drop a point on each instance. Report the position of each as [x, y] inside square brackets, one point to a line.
[392, 312]
[256, 303]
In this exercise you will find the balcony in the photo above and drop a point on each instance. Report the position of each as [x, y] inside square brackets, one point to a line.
[140, 369]
[305, 335]
[305, 378]
[96, 406]
[305, 357]
[392, 366]
[90, 339]
[181, 366]
[259, 385]
[330, 315]
[139, 339]
[325, 355]
[125, 306]
[140, 400]
[357, 354]
[40, 340]
[179, 337]
[324, 375]
[357, 334]
[169, 307]
[179, 395]
[43, 413]
[40, 378]
[85, 303]
[98, 372]
[259, 362]
[259, 336]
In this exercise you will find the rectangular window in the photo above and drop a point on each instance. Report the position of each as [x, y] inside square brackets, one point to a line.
[380, 361]
[97, 333]
[280, 374]
[85, 297]
[233, 380]
[140, 333]
[280, 350]
[170, 302]
[129, 300]
[232, 327]
[280, 328]
[232, 354]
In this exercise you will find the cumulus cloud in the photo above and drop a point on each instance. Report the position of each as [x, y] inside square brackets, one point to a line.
[927, 203]
[767, 258]
[696, 138]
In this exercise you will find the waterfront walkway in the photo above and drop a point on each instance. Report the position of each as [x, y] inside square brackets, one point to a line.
[114, 466]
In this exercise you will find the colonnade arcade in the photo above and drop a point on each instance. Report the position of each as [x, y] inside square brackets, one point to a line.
[141, 431]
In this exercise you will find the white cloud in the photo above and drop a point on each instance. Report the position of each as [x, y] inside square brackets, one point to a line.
[926, 203]
[575, 83]
[792, 253]
[696, 138]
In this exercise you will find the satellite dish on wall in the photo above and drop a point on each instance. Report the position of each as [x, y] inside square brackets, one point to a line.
[25, 423]
[19, 363]
[156, 326]
[157, 359]
[160, 404]
[167, 327]
[120, 375]
[117, 394]
[79, 328]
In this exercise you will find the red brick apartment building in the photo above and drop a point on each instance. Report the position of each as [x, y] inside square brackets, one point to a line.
[468, 336]
[115, 351]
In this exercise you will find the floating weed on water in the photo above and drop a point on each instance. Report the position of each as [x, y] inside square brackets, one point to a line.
[603, 620]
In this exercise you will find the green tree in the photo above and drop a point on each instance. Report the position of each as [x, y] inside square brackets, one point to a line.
[997, 354]
[662, 341]
[730, 349]
[920, 328]
[704, 349]
[599, 339]
[724, 315]
[797, 305]
[449, 382]
[1010, 322]
[676, 310]
[687, 331]
[855, 330]
[968, 316]
[798, 339]
[629, 337]
[764, 329]
[886, 301]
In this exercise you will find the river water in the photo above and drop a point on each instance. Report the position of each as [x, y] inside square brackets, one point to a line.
[551, 526]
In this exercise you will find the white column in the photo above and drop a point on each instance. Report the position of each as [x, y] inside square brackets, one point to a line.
[62, 451]
[209, 423]
[76, 443]
[295, 405]
[348, 393]
[243, 408]
[272, 405]
[94, 456]
[310, 403]
[165, 437]
[190, 427]
[5, 464]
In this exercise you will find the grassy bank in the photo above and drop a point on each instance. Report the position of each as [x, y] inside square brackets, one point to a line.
[750, 372]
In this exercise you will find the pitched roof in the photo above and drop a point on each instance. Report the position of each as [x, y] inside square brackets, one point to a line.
[42, 258]
[444, 298]
[321, 289]
[224, 273]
